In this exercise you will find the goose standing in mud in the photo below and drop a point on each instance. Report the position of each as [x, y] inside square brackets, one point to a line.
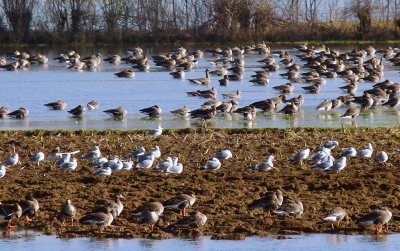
[100, 219]
[181, 202]
[336, 214]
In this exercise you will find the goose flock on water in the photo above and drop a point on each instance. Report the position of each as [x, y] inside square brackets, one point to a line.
[308, 69]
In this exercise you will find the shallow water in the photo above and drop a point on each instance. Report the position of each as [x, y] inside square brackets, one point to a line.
[35, 241]
[33, 87]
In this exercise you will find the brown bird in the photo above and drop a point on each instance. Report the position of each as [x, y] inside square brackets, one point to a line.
[377, 217]
[336, 214]
[325, 106]
[314, 89]
[201, 81]
[93, 105]
[181, 112]
[285, 88]
[232, 95]
[224, 81]
[77, 111]
[270, 202]
[298, 101]
[4, 111]
[351, 113]
[10, 212]
[152, 111]
[20, 113]
[67, 211]
[290, 108]
[194, 220]
[127, 73]
[265, 105]
[119, 112]
[204, 114]
[181, 201]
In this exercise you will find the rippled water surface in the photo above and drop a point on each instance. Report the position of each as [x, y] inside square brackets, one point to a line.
[33, 87]
[35, 241]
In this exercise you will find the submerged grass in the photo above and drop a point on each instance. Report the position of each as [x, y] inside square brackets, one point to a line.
[222, 195]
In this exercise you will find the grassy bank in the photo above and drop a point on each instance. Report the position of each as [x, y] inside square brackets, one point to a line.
[222, 195]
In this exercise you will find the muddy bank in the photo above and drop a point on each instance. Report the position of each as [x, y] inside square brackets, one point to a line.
[222, 195]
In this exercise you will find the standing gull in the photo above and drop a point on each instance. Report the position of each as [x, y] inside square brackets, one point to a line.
[266, 165]
[2, 171]
[155, 132]
[213, 164]
[330, 144]
[10, 161]
[92, 155]
[127, 165]
[382, 157]
[348, 152]
[164, 165]
[176, 167]
[223, 154]
[138, 152]
[301, 155]
[324, 163]
[54, 155]
[37, 157]
[366, 152]
[103, 171]
[339, 165]
[69, 166]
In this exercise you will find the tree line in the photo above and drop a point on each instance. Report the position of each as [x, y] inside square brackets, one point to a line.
[160, 21]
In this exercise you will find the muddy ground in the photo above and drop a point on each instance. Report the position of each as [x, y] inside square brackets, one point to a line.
[222, 195]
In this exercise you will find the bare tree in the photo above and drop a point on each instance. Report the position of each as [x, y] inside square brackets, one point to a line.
[19, 15]
[112, 11]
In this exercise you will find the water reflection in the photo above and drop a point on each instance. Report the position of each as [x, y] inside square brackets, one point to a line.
[336, 238]
[376, 238]
[17, 240]
[53, 81]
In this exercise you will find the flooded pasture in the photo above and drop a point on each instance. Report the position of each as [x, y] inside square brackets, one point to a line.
[39, 84]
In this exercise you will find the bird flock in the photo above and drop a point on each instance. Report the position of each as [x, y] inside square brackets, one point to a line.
[309, 68]
[273, 202]
[103, 216]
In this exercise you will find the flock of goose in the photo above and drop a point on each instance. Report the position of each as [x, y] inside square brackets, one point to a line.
[149, 213]
[319, 64]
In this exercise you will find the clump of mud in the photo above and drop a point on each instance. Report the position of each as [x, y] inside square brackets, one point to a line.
[222, 195]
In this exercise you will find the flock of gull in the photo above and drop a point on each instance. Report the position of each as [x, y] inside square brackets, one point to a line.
[103, 216]
[149, 213]
[311, 66]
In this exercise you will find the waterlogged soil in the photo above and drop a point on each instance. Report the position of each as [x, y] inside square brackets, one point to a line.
[222, 195]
